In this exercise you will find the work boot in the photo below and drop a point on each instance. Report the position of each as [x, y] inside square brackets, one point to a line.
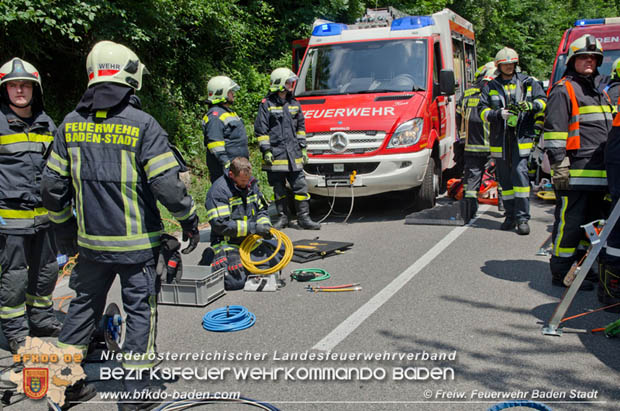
[303, 216]
[16, 343]
[78, 393]
[282, 221]
[468, 208]
[523, 228]
[50, 330]
[608, 292]
[508, 224]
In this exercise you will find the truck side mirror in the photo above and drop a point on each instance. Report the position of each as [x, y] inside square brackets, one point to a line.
[446, 82]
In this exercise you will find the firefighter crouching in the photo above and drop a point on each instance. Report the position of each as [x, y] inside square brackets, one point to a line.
[27, 247]
[235, 209]
[509, 103]
[113, 162]
[224, 132]
[476, 135]
[577, 122]
[281, 132]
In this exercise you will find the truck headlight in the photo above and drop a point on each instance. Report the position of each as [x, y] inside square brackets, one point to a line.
[407, 134]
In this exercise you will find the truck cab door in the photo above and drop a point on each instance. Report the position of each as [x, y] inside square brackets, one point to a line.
[439, 101]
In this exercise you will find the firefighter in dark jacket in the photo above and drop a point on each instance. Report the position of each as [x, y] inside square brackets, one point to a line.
[476, 135]
[235, 209]
[510, 103]
[112, 162]
[609, 261]
[281, 135]
[613, 87]
[577, 122]
[29, 269]
[224, 132]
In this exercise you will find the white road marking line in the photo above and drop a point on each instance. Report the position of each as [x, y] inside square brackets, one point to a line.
[342, 331]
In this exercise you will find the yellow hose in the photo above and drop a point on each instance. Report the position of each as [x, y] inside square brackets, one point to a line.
[250, 243]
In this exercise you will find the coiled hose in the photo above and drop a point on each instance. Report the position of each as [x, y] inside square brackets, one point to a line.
[229, 318]
[520, 403]
[250, 243]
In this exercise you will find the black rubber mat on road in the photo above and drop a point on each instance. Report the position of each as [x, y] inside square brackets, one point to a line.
[441, 214]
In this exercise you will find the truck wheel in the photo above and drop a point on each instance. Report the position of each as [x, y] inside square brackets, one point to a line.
[426, 194]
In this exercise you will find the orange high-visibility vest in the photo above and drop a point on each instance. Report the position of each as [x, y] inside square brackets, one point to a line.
[572, 142]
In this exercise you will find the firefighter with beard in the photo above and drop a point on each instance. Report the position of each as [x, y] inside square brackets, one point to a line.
[510, 103]
[235, 209]
[29, 268]
[281, 132]
[576, 127]
[476, 135]
[113, 162]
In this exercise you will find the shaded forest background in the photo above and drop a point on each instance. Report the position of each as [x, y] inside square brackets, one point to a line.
[185, 42]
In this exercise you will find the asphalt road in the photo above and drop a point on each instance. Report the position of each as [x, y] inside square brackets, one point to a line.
[451, 315]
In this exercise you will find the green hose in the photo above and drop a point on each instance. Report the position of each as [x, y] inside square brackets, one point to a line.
[303, 274]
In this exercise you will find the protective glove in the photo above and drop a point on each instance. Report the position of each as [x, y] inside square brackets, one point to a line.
[304, 153]
[66, 237]
[268, 157]
[191, 233]
[505, 114]
[235, 267]
[561, 174]
[219, 261]
[263, 230]
[168, 249]
[526, 106]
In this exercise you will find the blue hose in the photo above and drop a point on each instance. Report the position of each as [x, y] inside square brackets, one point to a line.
[520, 403]
[229, 318]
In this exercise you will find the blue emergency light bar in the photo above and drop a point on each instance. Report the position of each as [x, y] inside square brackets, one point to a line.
[412, 22]
[589, 22]
[329, 29]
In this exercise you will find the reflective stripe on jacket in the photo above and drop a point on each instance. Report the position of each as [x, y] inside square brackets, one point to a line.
[234, 213]
[22, 158]
[472, 128]
[280, 128]
[114, 165]
[577, 124]
[224, 136]
[498, 95]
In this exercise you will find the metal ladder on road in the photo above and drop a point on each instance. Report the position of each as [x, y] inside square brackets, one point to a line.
[597, 242]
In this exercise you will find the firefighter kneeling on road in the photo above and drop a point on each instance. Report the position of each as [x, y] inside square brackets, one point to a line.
[577, 122]
[224, 132]
[476, 135]
[235, 209]
[281, 132]
[113, 162]
[509, 103]
[27, 247]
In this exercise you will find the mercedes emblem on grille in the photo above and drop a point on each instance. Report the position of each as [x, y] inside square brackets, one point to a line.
[338, 142]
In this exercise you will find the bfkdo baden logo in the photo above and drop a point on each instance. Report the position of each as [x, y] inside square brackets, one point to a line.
[36, 382]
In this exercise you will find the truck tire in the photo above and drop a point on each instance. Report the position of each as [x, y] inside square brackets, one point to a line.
[426, 194]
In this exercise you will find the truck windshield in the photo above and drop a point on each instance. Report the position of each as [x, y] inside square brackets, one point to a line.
[364, 67]
[609, 56]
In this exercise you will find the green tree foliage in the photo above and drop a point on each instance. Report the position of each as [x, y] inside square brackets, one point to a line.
[185, 42]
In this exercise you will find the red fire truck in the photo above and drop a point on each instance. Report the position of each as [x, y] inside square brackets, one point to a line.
[606, 30]
[379, 100]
